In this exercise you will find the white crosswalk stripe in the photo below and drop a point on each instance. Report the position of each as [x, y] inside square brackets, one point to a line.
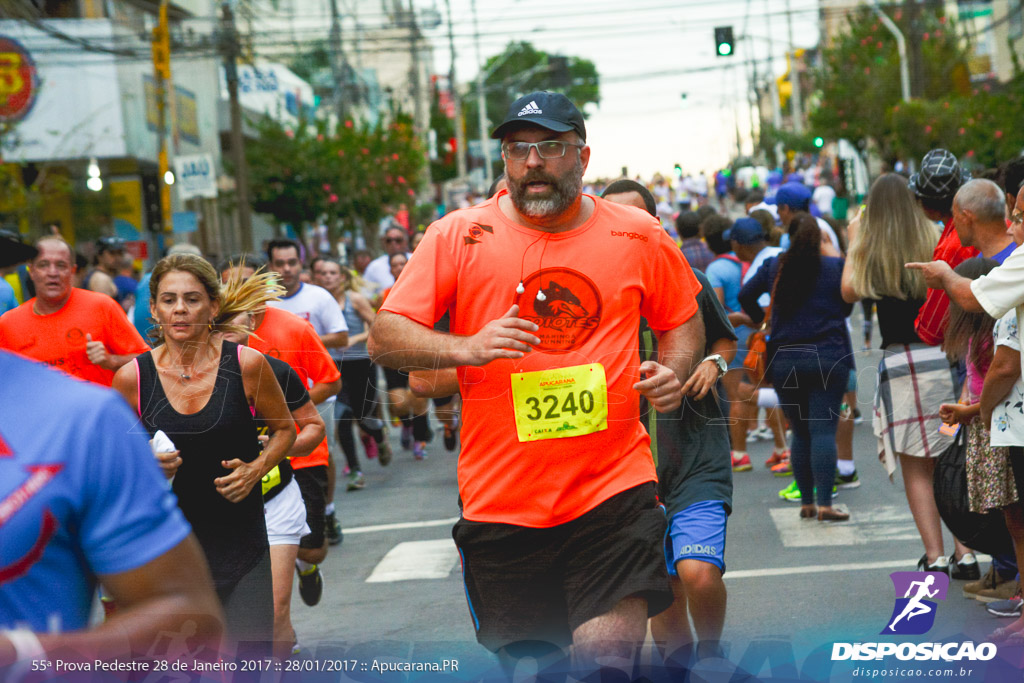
[416, 560]
[882, 523]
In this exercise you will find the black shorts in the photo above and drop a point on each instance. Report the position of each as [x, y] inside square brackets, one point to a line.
[396, 379]
[526, 584]
[312, 483]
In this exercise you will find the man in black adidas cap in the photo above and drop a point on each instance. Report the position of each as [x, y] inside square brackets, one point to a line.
[561, 532]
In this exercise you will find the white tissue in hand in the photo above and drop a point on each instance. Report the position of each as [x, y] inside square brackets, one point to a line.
[161, 443]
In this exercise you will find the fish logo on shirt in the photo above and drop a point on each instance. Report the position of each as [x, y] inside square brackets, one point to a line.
[564, 303]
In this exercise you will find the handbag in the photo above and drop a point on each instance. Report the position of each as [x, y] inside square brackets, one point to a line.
[981, 531]
[756, 360]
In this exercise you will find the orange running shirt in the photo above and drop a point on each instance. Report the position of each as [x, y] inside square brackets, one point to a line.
[59, 339]
[598, 280]
[288, 337]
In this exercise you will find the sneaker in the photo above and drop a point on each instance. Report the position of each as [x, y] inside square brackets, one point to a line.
[742, 463]
[940, 565]
[385, 454]
[406, 438]
[1005, 608]
[989, 582]
[857, 417]
[451, 437]
[1001, 591]
[311, 585]
[369, 445]
[792, 493]
[783, 469]
[964, 569]
[419, 450]
[847, 481]
[356, 482]
[776, 458]
[333, 527]
[296, 649]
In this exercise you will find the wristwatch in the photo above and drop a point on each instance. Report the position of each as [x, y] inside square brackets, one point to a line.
[723, 367]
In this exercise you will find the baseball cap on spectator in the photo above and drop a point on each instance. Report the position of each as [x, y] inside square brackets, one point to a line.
[550, 110]
[940, 176]
[13, 250]
[745, 231]
[796, 196]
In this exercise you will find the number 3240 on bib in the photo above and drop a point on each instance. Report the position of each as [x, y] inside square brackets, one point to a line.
[561, 402]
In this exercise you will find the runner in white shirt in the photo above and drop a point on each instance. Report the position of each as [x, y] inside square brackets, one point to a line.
[318, 306]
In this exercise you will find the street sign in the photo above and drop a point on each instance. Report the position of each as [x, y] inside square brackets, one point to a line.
[195, 176]
[19, 83]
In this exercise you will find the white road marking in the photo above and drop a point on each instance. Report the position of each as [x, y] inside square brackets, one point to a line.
[401, 525]
[881, 523]
[416, 560]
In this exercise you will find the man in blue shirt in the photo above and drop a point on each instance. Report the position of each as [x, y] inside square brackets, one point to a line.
[81, 499]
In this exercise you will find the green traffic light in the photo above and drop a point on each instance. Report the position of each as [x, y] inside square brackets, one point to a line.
[724, 49]
[819, 142]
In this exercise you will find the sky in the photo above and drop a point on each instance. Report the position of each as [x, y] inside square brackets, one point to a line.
[642, 51]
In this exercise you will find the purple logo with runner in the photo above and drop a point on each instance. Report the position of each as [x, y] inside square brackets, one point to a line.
[914, 612]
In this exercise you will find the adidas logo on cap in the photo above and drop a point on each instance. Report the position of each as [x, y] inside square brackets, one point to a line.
[531, 108]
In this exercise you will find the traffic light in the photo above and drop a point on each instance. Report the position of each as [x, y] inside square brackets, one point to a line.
[679, 171]
[723, 41]
[819, 142]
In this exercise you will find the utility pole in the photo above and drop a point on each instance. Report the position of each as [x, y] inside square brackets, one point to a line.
[337, 68]
[230, 50]
[162, 77]
[794, 77]
[773, 86]
[422, 120]
[481, 102]
[460, 130]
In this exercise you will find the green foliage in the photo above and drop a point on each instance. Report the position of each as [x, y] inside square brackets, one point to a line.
[445, 167]
[983, 128]
[859, 77]
[350, 176]
[770, 135]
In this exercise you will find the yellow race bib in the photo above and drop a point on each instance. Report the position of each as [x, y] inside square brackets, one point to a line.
[561, 402]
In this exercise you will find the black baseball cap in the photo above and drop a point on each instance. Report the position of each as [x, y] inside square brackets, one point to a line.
[13, 250]
[551, 110]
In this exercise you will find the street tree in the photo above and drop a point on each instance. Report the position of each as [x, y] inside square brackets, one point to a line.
[858, 81]
[349, 177]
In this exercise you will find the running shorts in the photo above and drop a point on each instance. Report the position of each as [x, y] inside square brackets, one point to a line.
[526, 584]
[697, 533]
[312, 483]
[286, 516]
[396, 379]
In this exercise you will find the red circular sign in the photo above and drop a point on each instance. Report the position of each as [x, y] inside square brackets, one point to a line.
[18, 81]
[569, 311]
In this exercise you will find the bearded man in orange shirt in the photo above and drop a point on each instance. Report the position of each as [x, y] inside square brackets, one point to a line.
[561, 531]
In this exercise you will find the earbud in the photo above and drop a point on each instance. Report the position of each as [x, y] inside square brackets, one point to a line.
[520, 289]
[540, 296]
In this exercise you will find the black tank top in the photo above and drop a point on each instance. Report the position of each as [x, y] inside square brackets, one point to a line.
[233, 535]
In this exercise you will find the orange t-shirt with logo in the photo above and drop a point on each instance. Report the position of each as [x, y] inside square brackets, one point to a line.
[288, 337]
[59, 339]
[598, 279]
